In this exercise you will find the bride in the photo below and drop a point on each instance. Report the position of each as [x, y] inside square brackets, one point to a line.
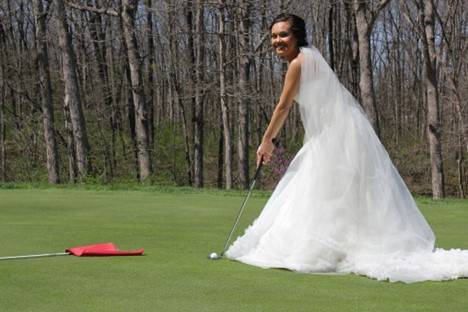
[341, 206]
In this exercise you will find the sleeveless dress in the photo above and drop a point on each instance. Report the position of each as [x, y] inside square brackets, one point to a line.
[342, 206]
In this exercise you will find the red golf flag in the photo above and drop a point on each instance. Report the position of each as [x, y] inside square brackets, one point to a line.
[104, 249]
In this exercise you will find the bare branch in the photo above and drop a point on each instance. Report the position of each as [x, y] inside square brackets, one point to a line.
[260, 43]
[375, 13]
[415, 24]
[107, 11]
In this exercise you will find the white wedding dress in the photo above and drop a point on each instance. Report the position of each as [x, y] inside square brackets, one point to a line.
[341, 206]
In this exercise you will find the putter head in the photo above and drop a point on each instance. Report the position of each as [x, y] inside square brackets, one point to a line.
[214, 256]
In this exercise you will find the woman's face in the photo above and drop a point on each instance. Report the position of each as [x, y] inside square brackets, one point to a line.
[283, 40]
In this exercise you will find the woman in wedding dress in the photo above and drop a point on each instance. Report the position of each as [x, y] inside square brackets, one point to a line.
[341, 206]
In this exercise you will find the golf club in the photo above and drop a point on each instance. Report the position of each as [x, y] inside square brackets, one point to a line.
[214, 255]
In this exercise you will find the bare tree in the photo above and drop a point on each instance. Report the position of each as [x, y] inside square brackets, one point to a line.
[364, 25]
[210, 83]
[46, 92]
[223, 99]
[244, 102]
[2, 106]
[72, 98]
[434, 129]
[129, 8]
[2, 126]
[199, 96]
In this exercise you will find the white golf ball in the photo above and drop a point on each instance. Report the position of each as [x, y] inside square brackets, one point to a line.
[213, 255]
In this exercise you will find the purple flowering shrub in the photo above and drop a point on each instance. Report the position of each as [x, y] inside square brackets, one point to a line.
[278, 165]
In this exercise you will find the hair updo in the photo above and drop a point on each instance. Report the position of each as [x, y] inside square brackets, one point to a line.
[297, 27]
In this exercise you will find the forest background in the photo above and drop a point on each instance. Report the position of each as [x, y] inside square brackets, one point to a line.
[180, 92]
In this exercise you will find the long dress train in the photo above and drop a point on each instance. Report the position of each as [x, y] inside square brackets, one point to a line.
[342, 206]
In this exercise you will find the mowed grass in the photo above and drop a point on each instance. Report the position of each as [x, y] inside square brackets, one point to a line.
[178, 231]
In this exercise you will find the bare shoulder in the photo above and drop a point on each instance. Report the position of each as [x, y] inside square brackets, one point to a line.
[295, 65]
[298, 60]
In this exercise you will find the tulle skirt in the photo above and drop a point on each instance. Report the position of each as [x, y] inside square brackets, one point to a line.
[342, 207]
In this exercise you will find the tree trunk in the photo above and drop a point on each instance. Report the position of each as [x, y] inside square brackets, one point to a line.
[199, 116]
[72, 165]
[352, 46]
[434, 129]
[141, 113]
[244, 102]
[151, 75]
[366, 83]
[46, 93]
[131, 123]
[116, 115]
[219, 180]
[2, 108]
[175, 86]
[224, 109]
[191, 82]
[2, 128]
[72, 95]
[460, 170]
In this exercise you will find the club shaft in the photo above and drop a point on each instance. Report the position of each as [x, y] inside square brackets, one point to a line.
[35, 256]
[241, 210]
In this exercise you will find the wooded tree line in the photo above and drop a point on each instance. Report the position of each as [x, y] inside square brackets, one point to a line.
[181, 91]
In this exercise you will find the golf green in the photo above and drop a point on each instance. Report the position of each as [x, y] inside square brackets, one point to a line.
[178, 231]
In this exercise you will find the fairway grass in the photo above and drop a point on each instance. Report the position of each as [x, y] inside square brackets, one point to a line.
[178, 231]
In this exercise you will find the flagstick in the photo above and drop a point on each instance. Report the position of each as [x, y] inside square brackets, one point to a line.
[35, 256]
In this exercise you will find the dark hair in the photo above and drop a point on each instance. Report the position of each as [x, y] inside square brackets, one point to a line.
[297, 27]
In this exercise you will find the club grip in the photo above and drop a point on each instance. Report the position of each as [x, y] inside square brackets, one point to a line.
[257, 172]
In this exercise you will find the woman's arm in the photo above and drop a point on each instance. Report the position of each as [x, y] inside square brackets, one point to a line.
[290, 89]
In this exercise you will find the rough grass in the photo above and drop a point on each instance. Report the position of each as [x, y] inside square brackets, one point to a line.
[178, 230]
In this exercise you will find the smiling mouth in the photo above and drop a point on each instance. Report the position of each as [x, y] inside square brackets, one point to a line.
[281, 48]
